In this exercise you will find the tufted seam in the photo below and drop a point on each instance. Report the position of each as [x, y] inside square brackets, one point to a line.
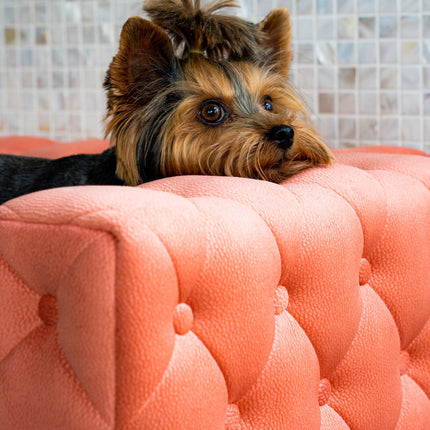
[62, 359]
[66, 364]
[399, 172]
[164, 376]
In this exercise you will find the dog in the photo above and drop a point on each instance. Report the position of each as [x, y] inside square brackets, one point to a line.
[190, 92]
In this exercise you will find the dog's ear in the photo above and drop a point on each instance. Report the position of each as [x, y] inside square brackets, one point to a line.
[276, 29]
[138, 72]
[141, 65]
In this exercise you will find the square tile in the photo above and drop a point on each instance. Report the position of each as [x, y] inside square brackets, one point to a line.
[367, 27]
[346, 28]
[346, 103]
[388, 26]
[388, 52]
[368, 129]
[326, 53]
[389, 129]
[410, 26]
[324, 6]
[347, 78]
[347, 128]
[389, 104]
[411, 129]
[389, 78]
[326, 103]
[367, 78]
[411, 103]
[346, 53]
[368, 103]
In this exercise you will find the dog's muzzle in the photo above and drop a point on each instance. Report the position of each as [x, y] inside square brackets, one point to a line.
[282, 135]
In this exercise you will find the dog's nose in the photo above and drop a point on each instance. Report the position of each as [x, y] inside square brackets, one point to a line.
[282, 135]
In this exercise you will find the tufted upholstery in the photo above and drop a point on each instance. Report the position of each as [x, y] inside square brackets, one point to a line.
[212, 303]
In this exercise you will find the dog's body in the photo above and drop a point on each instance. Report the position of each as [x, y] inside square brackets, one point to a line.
[22, 175]
[192, 92]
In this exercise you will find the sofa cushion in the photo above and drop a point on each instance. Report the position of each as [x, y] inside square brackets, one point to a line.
[209, 302]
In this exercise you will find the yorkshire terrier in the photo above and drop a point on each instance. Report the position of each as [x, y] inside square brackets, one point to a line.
[191, 92]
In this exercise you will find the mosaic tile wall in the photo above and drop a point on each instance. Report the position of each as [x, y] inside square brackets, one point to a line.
[363, 66]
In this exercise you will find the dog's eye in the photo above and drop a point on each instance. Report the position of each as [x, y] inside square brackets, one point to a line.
[267, 103]
[212, 112]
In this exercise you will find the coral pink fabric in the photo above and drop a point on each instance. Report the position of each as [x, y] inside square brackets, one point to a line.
[221, 303]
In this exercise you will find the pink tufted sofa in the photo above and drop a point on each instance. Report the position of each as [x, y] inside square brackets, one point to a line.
[220, 303]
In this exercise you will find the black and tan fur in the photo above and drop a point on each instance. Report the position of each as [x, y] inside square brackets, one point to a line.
[190, 92]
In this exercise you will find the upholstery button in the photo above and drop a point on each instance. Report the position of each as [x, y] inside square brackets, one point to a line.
[48, 311]
[281, 300]
[365, 271]
[405, 361]
[324, 392]
[183, 318]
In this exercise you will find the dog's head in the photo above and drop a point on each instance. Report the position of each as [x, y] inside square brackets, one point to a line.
[194, 92]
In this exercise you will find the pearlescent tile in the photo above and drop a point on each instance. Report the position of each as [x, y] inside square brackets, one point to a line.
[426, 104]
[324, 6]
[367, 27]
[347, 128]
[327, 127]
[305, 28]
[347, 78]
[367, 78]
[326, 28]
[72, 11]
[389, 103]
[326, 53]
[9, 15]
[363, 66]
[426, 77]
[366, 6]
[426, 51]
[388, 52]
[389, 78]
[346, 6]
[42, 14]
[410, 78]
[426, 26]
[10, 35]
[305, 79]
[326, 103]
[410, 52]
[389, 6]
[42, 79]
[410, 26]
[408, 6]
[368, 129]
[411, 129]
[305, 6]
[42, 35]
[305, 53]
[388, 26]
[411, 104]
[346, 28]
[327, 78]
[367, 52]
[368, 103]
[347, 52]
[389, 129]
[346, 103]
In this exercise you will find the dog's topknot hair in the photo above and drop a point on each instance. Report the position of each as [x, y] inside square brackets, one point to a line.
[194, 28]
